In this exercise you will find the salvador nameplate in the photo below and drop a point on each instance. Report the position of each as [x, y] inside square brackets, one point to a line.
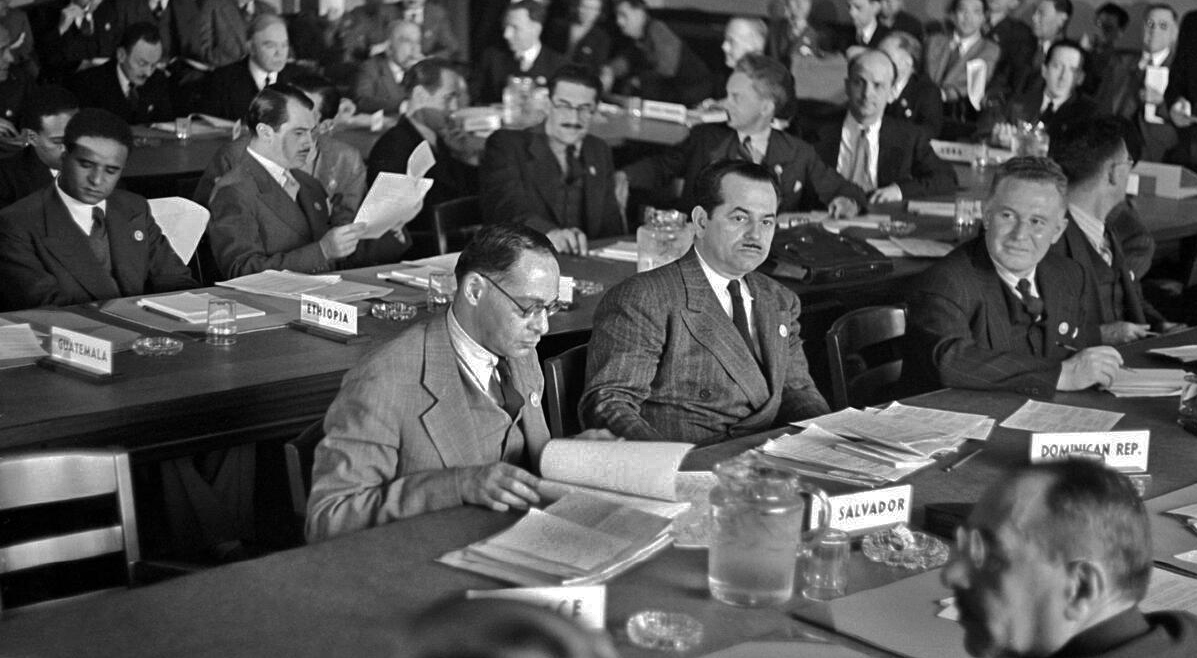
[857, 513]
[585, 604]
[1122, 451]
[78, 350]
[328, 314]
[675, 112]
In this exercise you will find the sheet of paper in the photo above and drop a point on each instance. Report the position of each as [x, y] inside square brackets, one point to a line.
[1035, 416]
[894, 432]
[393, 201]
[860, 221]
[558, 540]
[193, 307]
[182, 222]
[1185, 353]
[922, 248]
[1170, 591]
[786, 649]
[643, 468]
[280, 283]
[886, 247]
[19, 345]
[416, 277]
[977, 72]
[932, 208]
[971, 426]
[818, 446]
[1171, 536]
[420, 160]
[41, 319]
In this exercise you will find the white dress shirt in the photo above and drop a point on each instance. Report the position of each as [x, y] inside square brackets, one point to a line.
[259, 74]
[758, 143]
[478, 361]
[525, 59]
[1011, 280]
[965, 44]
[719, 285]
[278, 173]
[80, 212]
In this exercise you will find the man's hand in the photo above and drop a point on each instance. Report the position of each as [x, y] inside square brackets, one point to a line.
[842, 207]
[568, 240]
[342, 240]
[1094, 365]
[888, 194]
[596, 434]
[1181, 113]
[1119, 333]
[499, 486]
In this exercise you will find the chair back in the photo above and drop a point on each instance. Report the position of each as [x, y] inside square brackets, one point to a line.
[564, 380]
[300, 453]
[859, 375]
[456, 222]
[56, 479]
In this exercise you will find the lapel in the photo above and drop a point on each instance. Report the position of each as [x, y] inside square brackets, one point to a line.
[778, 157]
[312, 204]
[67, 244]
[710, 327]
[1131, 300]
[593, 187]
[993, 298]
[768, 320]
[449, 430]
[889, 154]
[1058, 328]
[941, 54]
[545, 173]
[273, 198]
[961, 64]
[127, 245]
[828, 144]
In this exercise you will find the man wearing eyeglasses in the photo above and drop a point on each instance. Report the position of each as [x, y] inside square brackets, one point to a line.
[1055, 561]
[555, 177]
[1002, 313]
[704, 349]
[449, 412]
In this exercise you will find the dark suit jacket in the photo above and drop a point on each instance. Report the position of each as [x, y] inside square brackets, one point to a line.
[919, 103]
[1120, 94]
[45, 259]
[1026, 108]
[904, 157]
[806, 182]
[221, 31]
[666, 363]
[592, 50]
[907, 22]
[61, 54]
[375, 87]
[520, 180]
[660, 66]
[1014, 65]
[22, 174]
[177, 25]
[1116, 292]
[958, 325]
[100, 87]
[15, 92]
[498, 63]
[231, 88]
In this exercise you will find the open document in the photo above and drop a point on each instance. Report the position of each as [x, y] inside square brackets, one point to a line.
[640, 474]
[395, 199]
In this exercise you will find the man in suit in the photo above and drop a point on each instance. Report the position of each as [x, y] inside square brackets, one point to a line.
[915, 99]
[448, 413]
[268, 214]
[893, 15]
[555, 177]
[232, 87]
[84, 35]
[1001, 312]
[1054, 561]
[175, 20]
[867, 29]
[1017, 43]
[890, 158]
[525, 55]
[949, 57]
[652, 62]
[1057, 103]
[37, 165]
[1094, 156]
[379, 83]
[80, 239]
[16, 86]
[131, 86]
[757, 89]
[223, 26]
[1124, 91]
[704, 349]
[1049, 24]
[1110, 21]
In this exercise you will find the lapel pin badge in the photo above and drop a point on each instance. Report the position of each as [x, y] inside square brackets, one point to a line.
[534, 398]
[592, 171]
[138, 235]
[1075, 331]
[783, 330]
[1063, 328]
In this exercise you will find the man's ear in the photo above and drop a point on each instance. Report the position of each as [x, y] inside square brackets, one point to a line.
[1088, 589]
[471, 288]
[700, 217]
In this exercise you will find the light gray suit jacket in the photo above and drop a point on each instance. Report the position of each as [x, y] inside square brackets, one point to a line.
[396, 431]
[948, 74]
[666, 363]
[375, 87]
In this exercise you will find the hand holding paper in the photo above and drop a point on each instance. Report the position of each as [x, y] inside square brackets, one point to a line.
[396, 199]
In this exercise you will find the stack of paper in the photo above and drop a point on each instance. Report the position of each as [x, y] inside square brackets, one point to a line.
[623, 250]
[913, 247]
[1147, 382]
[932, 208]
[19, 346]
[290, 285]
[1185, 353]
[415, 272]
[191, 307]
[639, 474]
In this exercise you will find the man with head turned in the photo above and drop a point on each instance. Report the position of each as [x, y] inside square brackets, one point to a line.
[232, 86]
[1003, 313]
[1053, 562]
[79, 239]
[704, 349]
[449, 412]
[43, 121]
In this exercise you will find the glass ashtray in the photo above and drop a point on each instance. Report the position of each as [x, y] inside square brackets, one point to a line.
[586, 288]
[901, 547]
[157, 346]
[896, 228]
[393, 310]
[664, 631]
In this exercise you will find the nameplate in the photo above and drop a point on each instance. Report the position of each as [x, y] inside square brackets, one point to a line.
[675, 112]
[88, 353]
[857, 513]
[328, 314]
[585, 604]
[565, 290]
[1122, 451]
[482, 123]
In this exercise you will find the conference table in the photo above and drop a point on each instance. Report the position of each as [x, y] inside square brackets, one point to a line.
[355, 594]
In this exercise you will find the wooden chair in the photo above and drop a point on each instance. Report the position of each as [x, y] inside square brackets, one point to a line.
[456, 222]
[854, 380]
[564, 379]
[47, 478]
[300, 453]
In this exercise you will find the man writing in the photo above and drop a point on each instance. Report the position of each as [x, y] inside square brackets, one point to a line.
[704, 349]
[131, 86]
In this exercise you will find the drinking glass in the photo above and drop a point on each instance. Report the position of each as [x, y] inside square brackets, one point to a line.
[827, 567]
[222, 322]
[183, 128]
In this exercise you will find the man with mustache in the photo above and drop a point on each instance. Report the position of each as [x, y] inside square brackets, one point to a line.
[704, 349]
[1053, 562]
[130, 86]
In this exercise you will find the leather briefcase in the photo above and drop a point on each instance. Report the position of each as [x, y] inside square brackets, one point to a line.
[812, 254]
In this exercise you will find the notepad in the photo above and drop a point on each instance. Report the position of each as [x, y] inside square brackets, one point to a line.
[192, 307]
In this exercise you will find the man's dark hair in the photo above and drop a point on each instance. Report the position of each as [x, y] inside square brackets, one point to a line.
[95, 122]
[577, 74]
[709, 184]
[770, 78]
[1161, 6]
[427, 73]
[953, 5]
[330, 96]
[143, 31]
[46, 101]
[496, 247]
[536, 11]
[1033, 168]
[1117, 12]
[270, 106]
[1084, 148]
[1068, 43]
[1090, 511]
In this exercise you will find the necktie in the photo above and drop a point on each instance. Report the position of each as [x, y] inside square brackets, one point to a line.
[97, 239]
[746, 150]
[1033, 304]
[89, 27]
[739, 317]
[98, 230]
[860, 162]
[573, 165]
[503, 391]
[133, 97]
[1106, 253]
[156, 10]
[953, 59]
[269, 80]
[1047, 114]
[247, 11]
[290, 185]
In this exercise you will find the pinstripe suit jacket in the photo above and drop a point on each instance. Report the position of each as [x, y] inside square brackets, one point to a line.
[666, 363]
[397, 426]
[958, 325]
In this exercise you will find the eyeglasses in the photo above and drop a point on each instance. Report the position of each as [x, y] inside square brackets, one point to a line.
[585, 111]
[533, 309]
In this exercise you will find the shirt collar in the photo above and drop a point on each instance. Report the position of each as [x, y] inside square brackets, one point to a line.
[123, 79]
[528, 56]
[855, 126]
[396, 70]
[79, 211]
[866, 33]
[1157, 59]
[276, 171]
[1093, 228]
[759, 141]
[719, 282]
[966, 44]
[258, 73]
[478, 360]
[1011, 280]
